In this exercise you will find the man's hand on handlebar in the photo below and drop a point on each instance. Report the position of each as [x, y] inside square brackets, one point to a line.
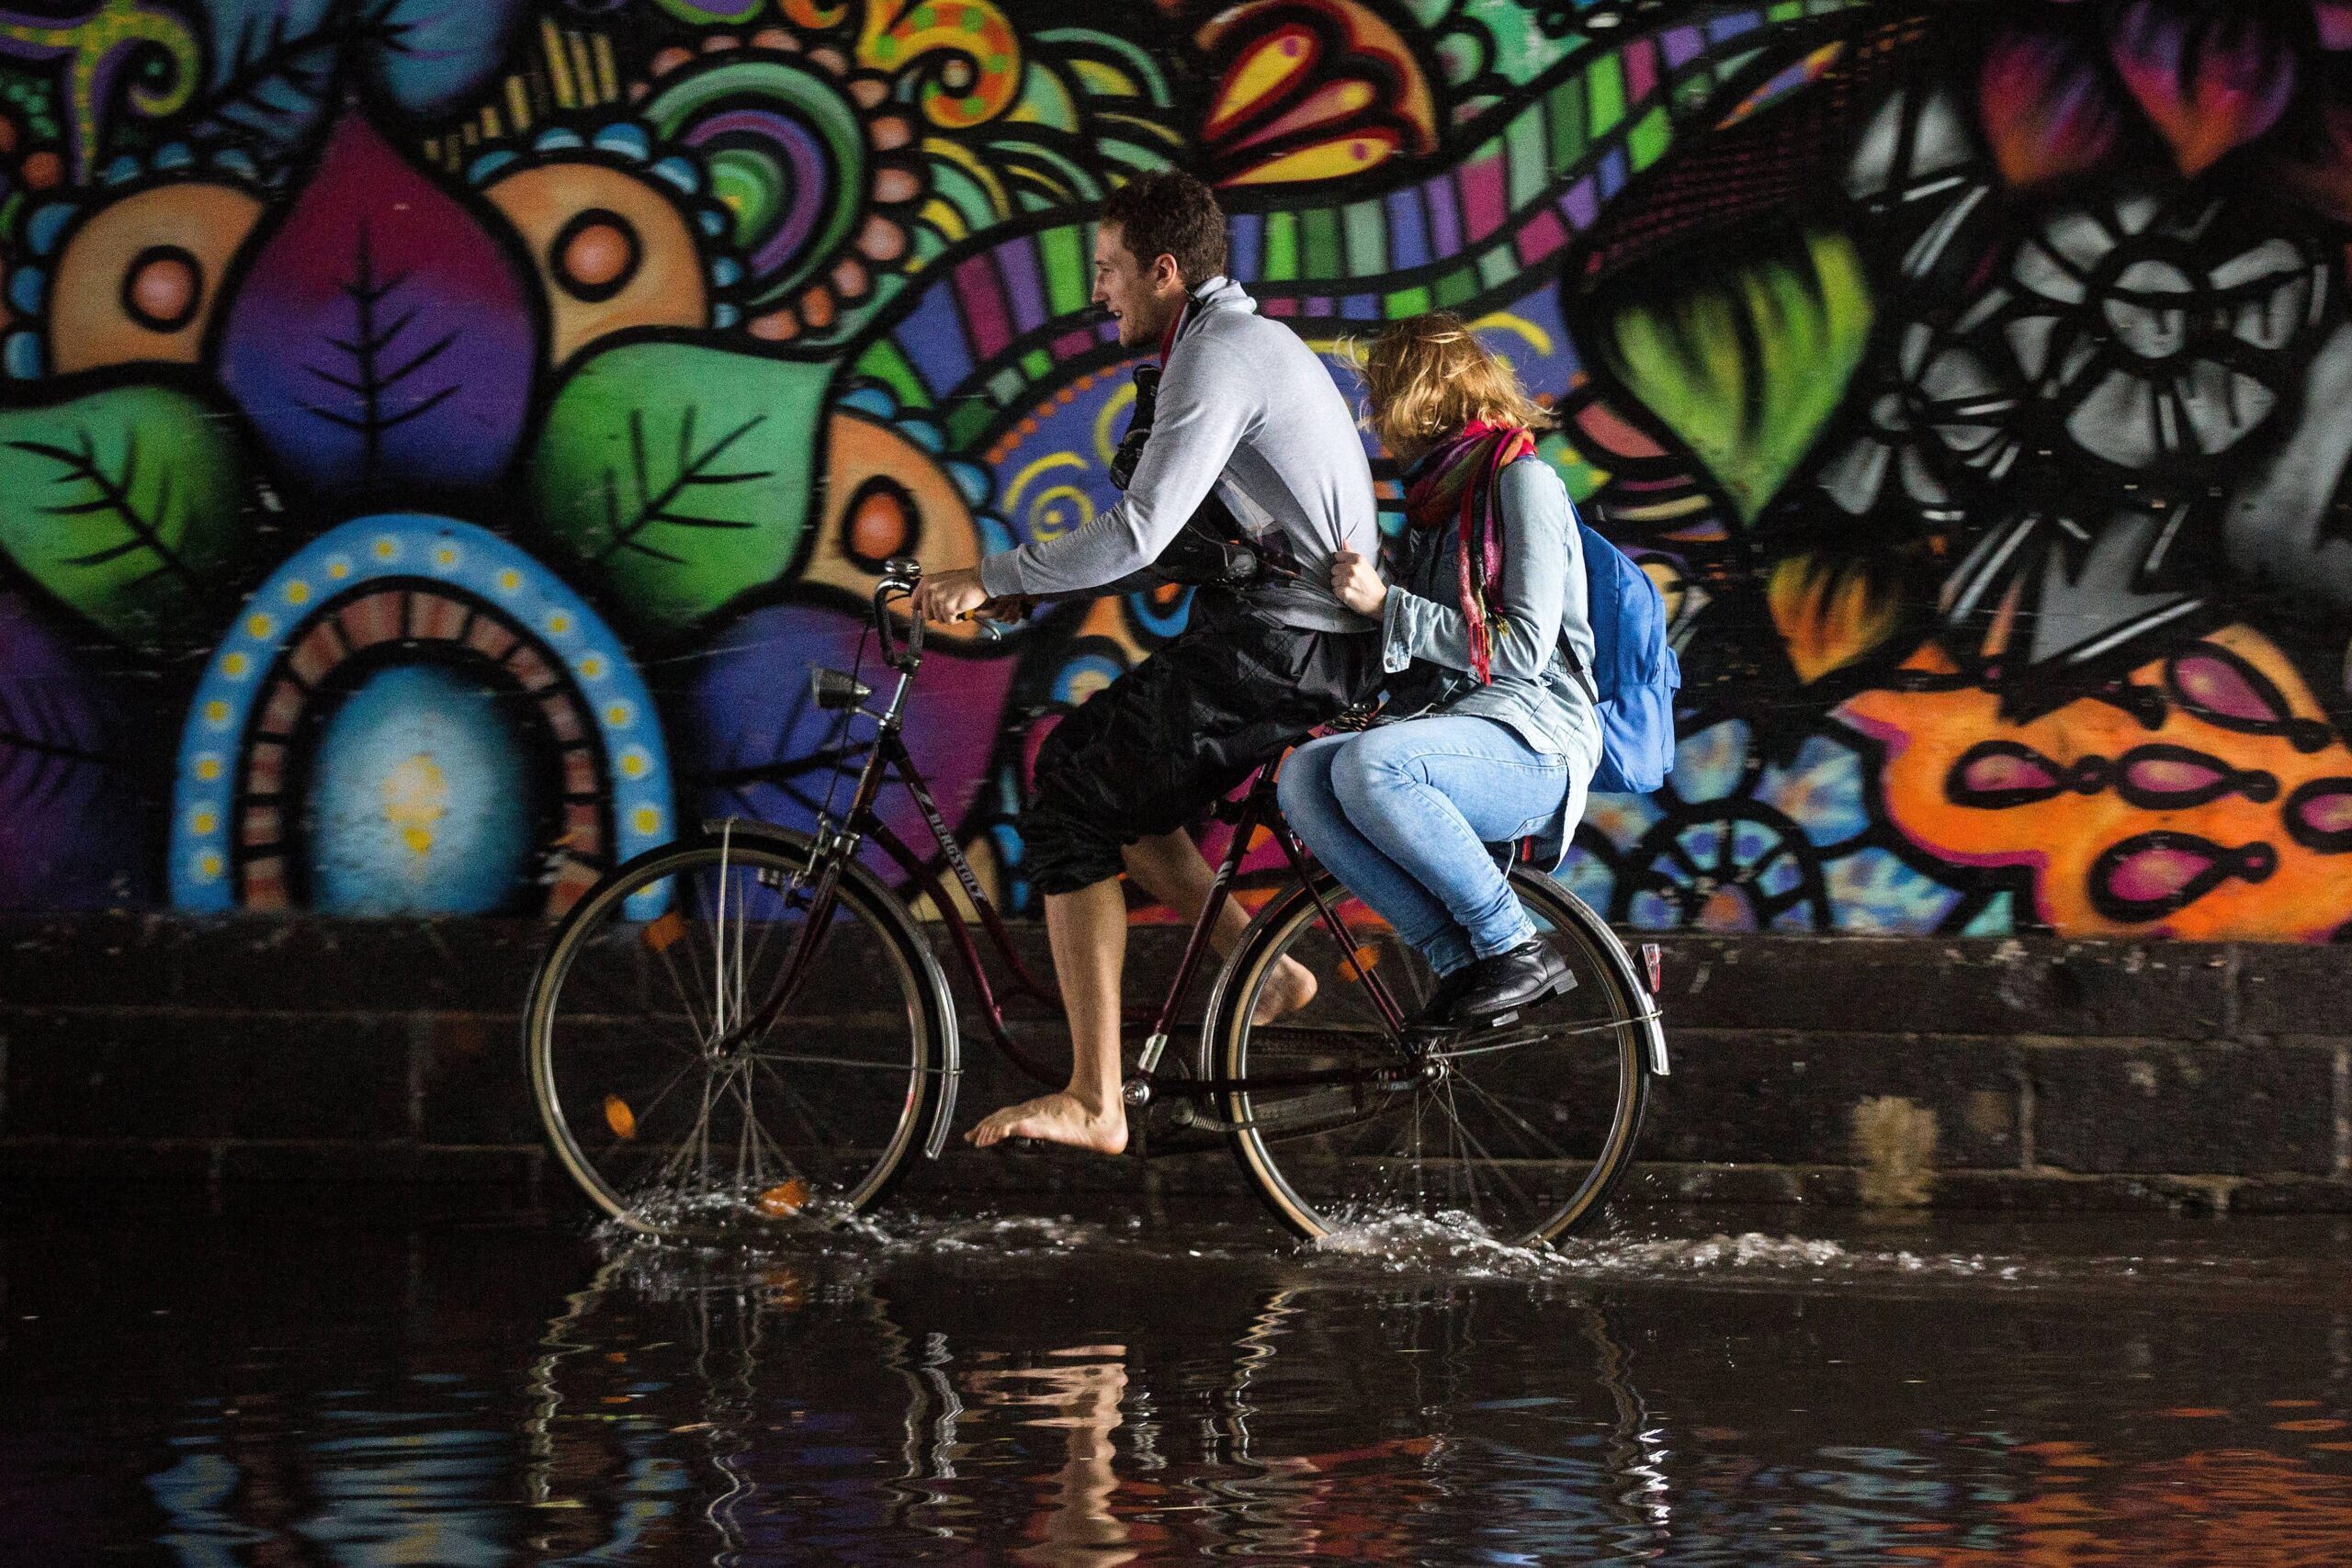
[950, 595]
[1011, 610]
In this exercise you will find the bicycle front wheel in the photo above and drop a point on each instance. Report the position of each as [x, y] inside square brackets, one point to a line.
[669, 1125]
[1520, 1131]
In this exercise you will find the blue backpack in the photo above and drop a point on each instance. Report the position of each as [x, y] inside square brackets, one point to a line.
[1634, 673]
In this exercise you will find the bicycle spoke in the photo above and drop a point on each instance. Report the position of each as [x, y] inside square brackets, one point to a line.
[1542, 1035]
[1486, 1157]
[1457, 1170]
[1550, 1149]
[794, 1106]
[756, 1134]
[742, 918]
[1493, 1044]
[720, 989]
[696, 1143]
[784, 1162]
[769, 927]
[743, 1147]
[803, 1059]
[703, 1033]
[800, 1106]
[1418, 1100]
[659, 1037]
[700, 959]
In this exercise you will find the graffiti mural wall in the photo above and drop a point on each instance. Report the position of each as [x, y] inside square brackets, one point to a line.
[437, 434]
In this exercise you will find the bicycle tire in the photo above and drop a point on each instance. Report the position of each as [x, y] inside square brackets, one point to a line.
[582, 1052]
[1345, 1189]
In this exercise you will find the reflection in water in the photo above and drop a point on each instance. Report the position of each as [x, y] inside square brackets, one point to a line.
[2245, 1508]
[1076, 1391]
[1089, 1395]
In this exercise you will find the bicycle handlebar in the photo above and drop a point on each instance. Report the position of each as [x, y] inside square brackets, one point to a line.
[900, 576]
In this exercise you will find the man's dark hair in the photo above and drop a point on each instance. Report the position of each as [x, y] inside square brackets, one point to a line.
[1170, 214]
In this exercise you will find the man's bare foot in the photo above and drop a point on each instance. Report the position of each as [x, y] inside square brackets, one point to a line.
[1056, 1119]
[1290, 988]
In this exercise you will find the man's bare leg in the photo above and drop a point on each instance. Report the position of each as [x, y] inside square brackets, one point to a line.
[1088, 932]
[1171, 868]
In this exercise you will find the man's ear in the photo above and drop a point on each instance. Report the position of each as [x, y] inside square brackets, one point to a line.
[1164, 271]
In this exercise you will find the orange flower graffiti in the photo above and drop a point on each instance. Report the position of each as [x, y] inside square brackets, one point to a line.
[2203, 797]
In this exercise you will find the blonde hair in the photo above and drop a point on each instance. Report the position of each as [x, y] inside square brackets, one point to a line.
[1426, 377]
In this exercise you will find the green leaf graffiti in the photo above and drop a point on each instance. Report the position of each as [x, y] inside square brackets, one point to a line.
[127, 505]
[1748, 365]
[679, 476]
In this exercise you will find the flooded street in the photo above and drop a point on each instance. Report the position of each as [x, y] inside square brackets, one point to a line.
[1699, 1387]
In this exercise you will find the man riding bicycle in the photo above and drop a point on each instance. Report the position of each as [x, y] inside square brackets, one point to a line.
[1252, 445]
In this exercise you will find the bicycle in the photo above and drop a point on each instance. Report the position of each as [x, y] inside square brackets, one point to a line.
[698, 1032]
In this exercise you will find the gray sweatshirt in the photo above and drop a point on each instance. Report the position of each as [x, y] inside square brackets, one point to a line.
[1246, 407]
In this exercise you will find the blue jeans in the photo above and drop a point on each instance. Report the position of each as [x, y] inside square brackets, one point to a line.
[1403, 814]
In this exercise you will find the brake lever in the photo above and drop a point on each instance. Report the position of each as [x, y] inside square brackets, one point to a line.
[991, 627]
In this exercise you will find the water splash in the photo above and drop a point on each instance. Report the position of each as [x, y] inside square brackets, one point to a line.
[1456, 1245]
[1448, 1246]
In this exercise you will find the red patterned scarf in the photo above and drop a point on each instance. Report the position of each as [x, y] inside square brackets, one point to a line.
[1455, 482]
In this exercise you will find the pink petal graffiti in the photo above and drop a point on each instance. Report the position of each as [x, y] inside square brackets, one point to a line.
[2001, 774]
[2214, 684]
[2319, 817]
[2150, 876]
[1998, 775]
[2172, 778]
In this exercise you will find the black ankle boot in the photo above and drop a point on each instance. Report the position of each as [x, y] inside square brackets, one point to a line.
[1510, 981]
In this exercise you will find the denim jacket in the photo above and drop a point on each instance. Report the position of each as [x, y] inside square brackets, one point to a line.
[1426, 638]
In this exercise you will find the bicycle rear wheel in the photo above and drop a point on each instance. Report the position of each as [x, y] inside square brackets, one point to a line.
[1521, 1131]
[811, 1118]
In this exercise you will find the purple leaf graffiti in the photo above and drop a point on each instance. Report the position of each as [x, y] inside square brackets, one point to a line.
[383, 337]
[70, 808]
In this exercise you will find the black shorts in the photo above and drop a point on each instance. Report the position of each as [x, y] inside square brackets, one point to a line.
[1156, 747]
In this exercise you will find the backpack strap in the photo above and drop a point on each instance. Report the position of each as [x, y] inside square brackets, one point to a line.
[1575, 668]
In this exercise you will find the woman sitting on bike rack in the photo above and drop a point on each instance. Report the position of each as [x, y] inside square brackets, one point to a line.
[1498, 742]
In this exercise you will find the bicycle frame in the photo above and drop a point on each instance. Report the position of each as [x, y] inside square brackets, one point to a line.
[833, 846]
